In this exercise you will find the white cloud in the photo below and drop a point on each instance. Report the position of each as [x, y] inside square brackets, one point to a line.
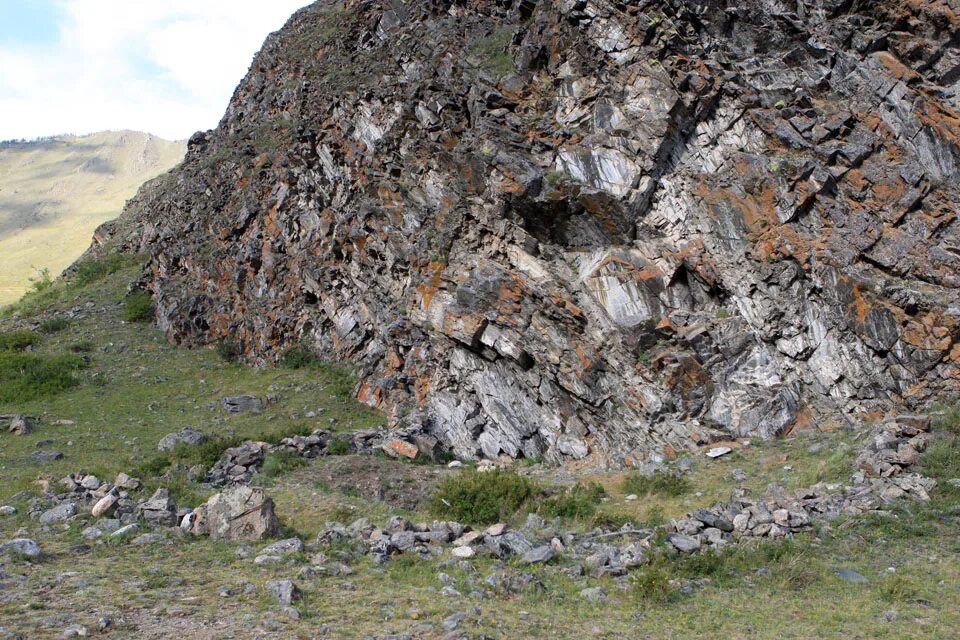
[166, 67]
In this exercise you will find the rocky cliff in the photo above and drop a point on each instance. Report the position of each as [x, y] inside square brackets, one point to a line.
[544, 228]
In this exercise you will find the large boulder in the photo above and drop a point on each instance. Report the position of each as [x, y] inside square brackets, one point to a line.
[187, 436]
[238, 513]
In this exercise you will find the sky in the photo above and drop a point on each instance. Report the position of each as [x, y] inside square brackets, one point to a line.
[167, 67]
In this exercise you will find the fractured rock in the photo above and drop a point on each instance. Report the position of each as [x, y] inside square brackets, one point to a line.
[238, 513]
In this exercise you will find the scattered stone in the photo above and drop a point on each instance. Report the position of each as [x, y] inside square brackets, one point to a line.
[285, 591]
[849, 575]
[159, 510]
[20, 426]
[104, 506]
[716, 452]
[127, 483]
[463, 552]
[8, 510]
[21, 546]
[74, 631]
[187, 436]
[685, 544]
[125, 531]
[495, 529]
[284, 547]
[242, 404]
[594, 594]
[46, 456]
[148, 538]
[453, 621]
[59, 513]
[238, 513]
[539, 555]
[92, 533]
[400, 448]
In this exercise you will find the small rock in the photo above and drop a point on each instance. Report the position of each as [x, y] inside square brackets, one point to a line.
[21, 546]
[7, 510]
[127, 483]
[148, 538]
[283, 547]
[401, 449]
[495, 529]
[20, 426]
[454, 464]
[90, 483]
[92, 533]
[127, 530]
[74, 631]
[631, 497]
[242, 404]
[59, 513]
[104, 505]
[291, 612]
[463, 552]
[888, 616]
[539, 555]
[683, 543]
[593, 594]
[46, 456]
[716, 452]
[453, 621]
[283, 590]
[187, 436]
[849, 575]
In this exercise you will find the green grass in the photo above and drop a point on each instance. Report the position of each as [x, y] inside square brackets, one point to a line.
[54, 325]
[138, 307]
[17, 340]
[481, 497]
[28, 376]
[491, 52]
[579, 502]
[299, 357]
[659, 483]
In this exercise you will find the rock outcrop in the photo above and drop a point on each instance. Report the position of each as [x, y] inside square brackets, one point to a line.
[542, 228]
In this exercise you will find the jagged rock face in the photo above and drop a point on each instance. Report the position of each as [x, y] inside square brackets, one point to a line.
[543, 228]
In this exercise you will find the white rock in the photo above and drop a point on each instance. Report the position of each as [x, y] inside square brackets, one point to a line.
[716, 452]
[463, 552]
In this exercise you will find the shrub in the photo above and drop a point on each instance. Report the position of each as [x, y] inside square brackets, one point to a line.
[138, 307]
[651, 583]
[280, 462]
[491, 52]
[578, 502]
[339, 447]
[481, 498]
[659, 483]
[94, 269]
[17, 340]
[229, 349]
[42, 281]
[27, 376]
[53, 325]
[84, 346]
[299, 357]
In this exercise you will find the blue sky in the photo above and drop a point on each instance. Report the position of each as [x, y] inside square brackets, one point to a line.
[167, 67]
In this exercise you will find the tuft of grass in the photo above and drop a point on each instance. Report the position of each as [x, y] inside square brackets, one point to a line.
[579, 502]
[491, 52]
[84, 346]
[54, 325]
[652, 583]
[481, 498]
[28, 376]
[17, 340]
[658, 483]
[138, 307]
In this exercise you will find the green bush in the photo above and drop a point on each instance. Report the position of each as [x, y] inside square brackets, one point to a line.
[84, 346]
[17, 340]
[299, 357]
[280, 462]
[578, 502]
[95, 269]
[138, 307]
[481, 498]
[659, 483]
[27, 376]
[651, 583]
[339, 447]
[229, 349]
[53, 325]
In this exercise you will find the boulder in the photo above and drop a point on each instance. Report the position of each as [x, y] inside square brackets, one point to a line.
[285, 591]
[242, 404]
[59, 513]
[238, 513]
[104, 506]
[21, 546]
[187, 436]
[20, 426]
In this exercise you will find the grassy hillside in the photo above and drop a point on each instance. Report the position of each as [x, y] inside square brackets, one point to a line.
[54, 193]
[132, 387]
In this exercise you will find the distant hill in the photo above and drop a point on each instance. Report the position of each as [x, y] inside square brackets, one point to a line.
[54, 192]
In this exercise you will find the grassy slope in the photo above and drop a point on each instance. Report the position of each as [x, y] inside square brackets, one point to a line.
[137, 388]
[54, 194]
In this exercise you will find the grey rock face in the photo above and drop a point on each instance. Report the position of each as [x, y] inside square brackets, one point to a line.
[585, 250]
[238, 513]
[159, 510]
